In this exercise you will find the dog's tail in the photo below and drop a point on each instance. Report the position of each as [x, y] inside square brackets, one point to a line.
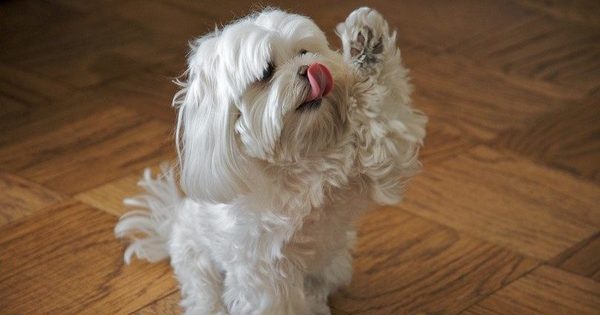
[148, 225]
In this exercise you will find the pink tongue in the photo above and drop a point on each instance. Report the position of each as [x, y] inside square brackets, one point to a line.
[320, 80]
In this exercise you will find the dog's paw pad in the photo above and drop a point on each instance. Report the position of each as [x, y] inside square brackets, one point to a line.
[364, 34]
[366, 44]
[358, 45]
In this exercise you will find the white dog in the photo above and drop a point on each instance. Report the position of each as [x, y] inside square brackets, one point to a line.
[283, 143]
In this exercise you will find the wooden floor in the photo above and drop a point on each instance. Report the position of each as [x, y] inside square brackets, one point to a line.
[505, 218]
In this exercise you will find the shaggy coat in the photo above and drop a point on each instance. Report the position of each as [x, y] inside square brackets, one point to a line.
[261, 218]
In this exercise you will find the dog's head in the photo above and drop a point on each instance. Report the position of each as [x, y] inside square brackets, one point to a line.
[266, 89]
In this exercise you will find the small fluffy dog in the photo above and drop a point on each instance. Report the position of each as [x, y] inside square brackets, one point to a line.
[283, 143]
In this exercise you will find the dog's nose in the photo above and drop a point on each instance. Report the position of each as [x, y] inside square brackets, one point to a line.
[302, 70]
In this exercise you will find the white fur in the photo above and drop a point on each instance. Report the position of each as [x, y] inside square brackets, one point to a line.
[264, 224]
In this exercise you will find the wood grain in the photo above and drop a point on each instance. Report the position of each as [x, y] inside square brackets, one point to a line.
[67, 261]
[568, 139]
[149, 93]
[442, 24]
[18, 86]
[97, 47]
[109, 197]
[86, 6]
[582, 259]
[508, 201]
[29, 16]
[443, 141]
[19, 198]
[406, 265]
[579, 11]
[479, 102]
[61, 153]
[168, 305]
[154, 15]
[24, 96]
[511, 160]
[540, 49]
[545, 291]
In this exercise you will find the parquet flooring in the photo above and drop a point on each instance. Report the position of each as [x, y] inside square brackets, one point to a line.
[504, 219]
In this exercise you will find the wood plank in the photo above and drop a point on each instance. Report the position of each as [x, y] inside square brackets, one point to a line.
[67, 261]
[152, 16]
[30, 16]
[585, 12]
[545, 291]
[443, 141]
[24, 95]
[406, 265]
[149, 92]
[20, 198]
[508, 201]
[109, 197]
[84, 106]
[168, 305]
[87, 6]
[97, 47]
[441, 24]
[22, 87]
[481, 103]
[85, 146]
[568, 139]
[582, 259]
[541, 49]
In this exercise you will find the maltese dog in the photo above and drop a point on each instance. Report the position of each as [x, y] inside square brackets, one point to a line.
[283, 143]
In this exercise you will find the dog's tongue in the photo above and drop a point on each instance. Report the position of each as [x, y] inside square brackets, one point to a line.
[320, 80]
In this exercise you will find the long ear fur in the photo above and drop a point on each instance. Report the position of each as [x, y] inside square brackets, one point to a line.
[212, 166]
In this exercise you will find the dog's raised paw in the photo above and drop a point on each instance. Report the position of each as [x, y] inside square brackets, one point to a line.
[364, 35]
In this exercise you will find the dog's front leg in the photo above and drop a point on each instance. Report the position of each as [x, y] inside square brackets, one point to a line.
[371, 50]
[389, 130]
[264, 287]
[260, 277]
[319, 286]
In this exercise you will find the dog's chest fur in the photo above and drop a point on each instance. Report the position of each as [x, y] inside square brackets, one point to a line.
[339, 197]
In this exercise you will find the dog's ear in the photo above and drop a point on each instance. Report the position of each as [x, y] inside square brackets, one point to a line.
[212, 165]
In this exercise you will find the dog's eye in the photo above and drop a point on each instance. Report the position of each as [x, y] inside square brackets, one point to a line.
[303, 51]
[268, 72]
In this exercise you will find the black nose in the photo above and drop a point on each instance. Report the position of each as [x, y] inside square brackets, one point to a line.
[302, 70]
